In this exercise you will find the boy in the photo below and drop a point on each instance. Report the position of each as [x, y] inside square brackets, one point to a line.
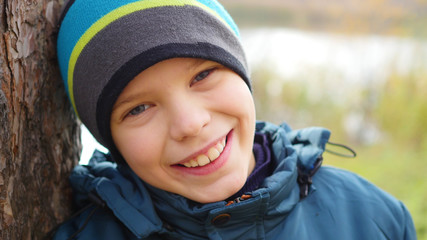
[164, 85]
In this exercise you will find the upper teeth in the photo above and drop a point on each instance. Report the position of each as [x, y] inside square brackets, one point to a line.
[204, 159]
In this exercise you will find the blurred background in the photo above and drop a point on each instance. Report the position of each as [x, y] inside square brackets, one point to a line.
[358, 68]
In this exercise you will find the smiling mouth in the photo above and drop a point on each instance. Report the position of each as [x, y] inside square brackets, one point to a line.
[204, 159]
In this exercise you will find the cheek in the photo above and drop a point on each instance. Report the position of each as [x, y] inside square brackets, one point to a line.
[237, 100]
[137, 146]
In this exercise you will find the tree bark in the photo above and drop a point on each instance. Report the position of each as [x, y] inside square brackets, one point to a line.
[39, 133]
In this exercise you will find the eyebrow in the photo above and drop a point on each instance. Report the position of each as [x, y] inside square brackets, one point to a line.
[196, 63]
[124, 101]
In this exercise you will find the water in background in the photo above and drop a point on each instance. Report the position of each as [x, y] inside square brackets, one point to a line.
[356, 61]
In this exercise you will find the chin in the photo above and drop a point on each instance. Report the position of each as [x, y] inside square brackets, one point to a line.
[214, 196]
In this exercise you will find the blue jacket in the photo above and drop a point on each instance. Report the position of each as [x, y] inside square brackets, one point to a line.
[339, 204]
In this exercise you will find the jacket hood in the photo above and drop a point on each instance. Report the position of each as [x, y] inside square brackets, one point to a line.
[133, 202]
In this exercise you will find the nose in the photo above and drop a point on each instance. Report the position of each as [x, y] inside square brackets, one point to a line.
[188, 118]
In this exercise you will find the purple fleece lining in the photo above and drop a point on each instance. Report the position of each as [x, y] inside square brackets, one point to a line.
[263, 166]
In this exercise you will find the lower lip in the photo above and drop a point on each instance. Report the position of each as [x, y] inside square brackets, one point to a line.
[213, 166]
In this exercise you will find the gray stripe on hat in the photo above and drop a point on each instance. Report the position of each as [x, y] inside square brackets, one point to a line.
[133, 34]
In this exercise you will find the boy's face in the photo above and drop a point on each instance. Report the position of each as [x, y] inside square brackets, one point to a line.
[187, 126]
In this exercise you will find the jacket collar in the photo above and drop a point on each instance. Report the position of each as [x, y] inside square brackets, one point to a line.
[278, 194]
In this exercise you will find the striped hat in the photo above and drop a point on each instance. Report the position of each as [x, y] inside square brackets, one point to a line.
[103, 44]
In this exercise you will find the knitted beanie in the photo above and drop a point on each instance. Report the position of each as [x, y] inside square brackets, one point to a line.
[103, 44]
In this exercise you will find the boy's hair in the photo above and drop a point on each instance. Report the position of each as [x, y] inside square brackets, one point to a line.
[103, 44]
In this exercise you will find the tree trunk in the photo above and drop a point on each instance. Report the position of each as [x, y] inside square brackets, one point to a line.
[39, 134]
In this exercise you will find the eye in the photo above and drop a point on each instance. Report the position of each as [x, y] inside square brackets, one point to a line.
[139, 109]
[202, 75]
